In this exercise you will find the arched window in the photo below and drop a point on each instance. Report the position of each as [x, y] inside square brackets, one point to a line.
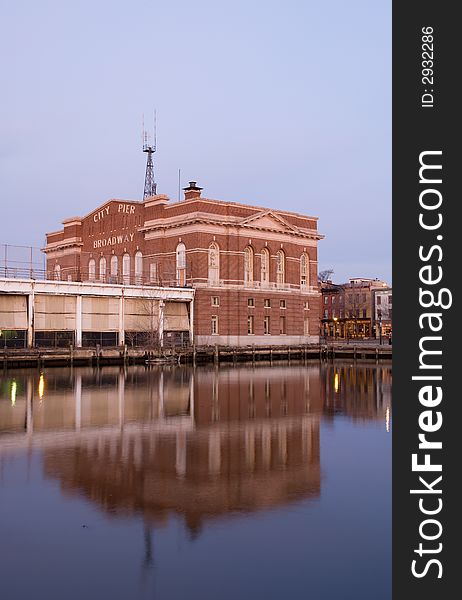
[57, 272]
[126, 269]
[265, 260]
[280, 267]
[91, 269]
[304, 271]
[114, 269]
[138, 268]
[248, 265]
[102, 269]
[181, 264]
[214, 263]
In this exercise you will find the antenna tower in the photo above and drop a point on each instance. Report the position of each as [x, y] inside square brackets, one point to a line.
[150, 185]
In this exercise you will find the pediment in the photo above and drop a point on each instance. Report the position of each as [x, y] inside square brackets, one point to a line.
[268, 220]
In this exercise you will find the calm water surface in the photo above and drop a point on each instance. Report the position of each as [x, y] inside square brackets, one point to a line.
[170, 483]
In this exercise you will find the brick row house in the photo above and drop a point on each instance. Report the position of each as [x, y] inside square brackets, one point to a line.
[354, 310]
[254, 269]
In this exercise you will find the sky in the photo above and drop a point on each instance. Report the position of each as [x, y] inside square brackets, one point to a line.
[280, 104]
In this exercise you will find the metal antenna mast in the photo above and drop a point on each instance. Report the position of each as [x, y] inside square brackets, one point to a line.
[150, 185]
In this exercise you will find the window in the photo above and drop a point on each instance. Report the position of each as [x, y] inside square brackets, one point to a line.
[390, 297]
[91, 269]
[325, 314]
[102, 269]
[333, 299]
[264, 273]
[364, 297]
[138, 268]
[326, 299]
[282, 325]
[181, 264]
[267, 303]
[114, 267]
[303, 270]
[153, 272]
[280, 267]
[266, 326]
[306, 326]
[214, 263]
[215, 301]
[250, 325]
[214, 325]
[248, 265]
[251, 302]
[57, 272]
[364, 313]
[282, 304]
[379, 314]
[379, 299]
[126, 269]
[306, 305]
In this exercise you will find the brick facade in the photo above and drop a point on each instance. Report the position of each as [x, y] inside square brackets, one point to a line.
[254, 269]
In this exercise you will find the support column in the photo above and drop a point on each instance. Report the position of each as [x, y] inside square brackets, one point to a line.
[121, 320]
[191, 322]
[30, 318]
[161, 323]
[78, 322]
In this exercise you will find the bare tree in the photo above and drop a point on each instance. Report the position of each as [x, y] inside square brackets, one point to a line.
[326, 275]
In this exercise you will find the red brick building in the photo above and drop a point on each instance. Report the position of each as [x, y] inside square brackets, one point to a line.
[254, 269]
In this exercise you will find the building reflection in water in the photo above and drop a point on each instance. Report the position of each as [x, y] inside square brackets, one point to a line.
[200, 443]
[359, 391]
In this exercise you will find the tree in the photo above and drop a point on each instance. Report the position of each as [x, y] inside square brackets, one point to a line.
[326, 275]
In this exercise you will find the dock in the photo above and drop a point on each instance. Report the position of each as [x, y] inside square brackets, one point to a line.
[126, 355]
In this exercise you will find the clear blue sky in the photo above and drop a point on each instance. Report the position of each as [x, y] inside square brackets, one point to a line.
[280, 104]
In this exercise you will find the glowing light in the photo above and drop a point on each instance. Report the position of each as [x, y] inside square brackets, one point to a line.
[387, 418]
[41, 386]
[13, 392]
[336, 383]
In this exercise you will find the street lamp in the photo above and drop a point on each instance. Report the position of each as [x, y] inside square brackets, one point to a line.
[335, 327]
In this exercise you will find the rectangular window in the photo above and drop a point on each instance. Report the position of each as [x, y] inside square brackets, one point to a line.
[251, 302]
[306, 326]
[306, 305]
[364, 297]
[325, 314]
[266, 326]
[250, 325]
[333, 299]
[215, 301]
[282, 325]
[325, 299]
[379, 299]
[267, 303]
[364, 313]
[390, 297]
[215, 325]
[153, 272]
[282, 304]
[303, 281]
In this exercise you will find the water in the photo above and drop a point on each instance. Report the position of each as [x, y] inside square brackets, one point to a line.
[168, 483]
